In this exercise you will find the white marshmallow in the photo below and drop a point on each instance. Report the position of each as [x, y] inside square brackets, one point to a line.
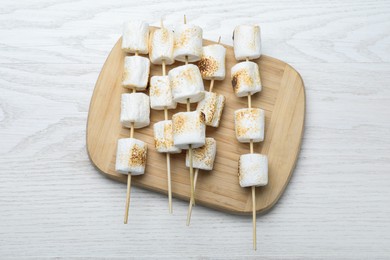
[135, 37]
[212, 63]
[136, 72]
[189, 129]
[203, 157]
[163, 137]
[188, 42]
[212, 106]
[245, 78]
[161, 46]
[131, 156]
[160, 93]
[253, 170]
[186, 83]
[249, 124]
[135, 109]
[247, 42]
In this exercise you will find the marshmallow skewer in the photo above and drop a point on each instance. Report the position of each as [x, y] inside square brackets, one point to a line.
[249, 122]
[192, 200]
[168, 155]
[161, 52]
[129, 174]
[187, 87]
[211, 55]
[253, 187]
[135, 111]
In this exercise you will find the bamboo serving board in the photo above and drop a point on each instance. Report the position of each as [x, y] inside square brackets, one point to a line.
[282, 98]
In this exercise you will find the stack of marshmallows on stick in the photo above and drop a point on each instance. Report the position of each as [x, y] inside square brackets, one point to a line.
[249, 122]
[184, 85]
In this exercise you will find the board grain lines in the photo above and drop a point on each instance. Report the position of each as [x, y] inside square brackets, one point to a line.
[53, 202]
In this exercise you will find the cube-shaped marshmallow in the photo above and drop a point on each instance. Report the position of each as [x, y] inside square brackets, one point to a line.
[247, 42]
[131, 156]
[212, 63]
[188, 42]
[135, 109]
[245, 78]
[135, 37]
[253, 170]
[161, 93]
[249, 124]
[161, 46]
[136, 72]
[189, 129]
[186, 83]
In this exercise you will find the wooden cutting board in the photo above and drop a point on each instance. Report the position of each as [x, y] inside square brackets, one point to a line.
[282, 98]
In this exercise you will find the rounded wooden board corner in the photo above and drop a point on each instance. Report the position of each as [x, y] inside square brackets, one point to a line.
[282, 98]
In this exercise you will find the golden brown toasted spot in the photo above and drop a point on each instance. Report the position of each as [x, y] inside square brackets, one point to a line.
[218, 115]
[202, 118]
[164, 34]
[202, 154]
[185, 37]
[137, 156]
[179, 123]
[155, 90]
[241, 77]
[209, 108]
[167, 140]
[208, 66]
[250, 114]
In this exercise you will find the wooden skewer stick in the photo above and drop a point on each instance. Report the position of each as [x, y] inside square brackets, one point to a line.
[254, 215]
[192, 200]
[211, 85]
[128, 180]
[253, 187]
[167, 154]
[191, 204]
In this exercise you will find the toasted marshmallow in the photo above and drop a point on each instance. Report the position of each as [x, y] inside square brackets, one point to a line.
[249, 124]
[245, 78]
[161, 46]
[212, 63]
[186, 83]
[131, 156]
[163, 137]
[253, 170]
[189, 129]
[135, 37]
[212, 106]
[203, 157]
[188, 42]
[247, 42]
[160, 93]
[135, 109]
[136, 72]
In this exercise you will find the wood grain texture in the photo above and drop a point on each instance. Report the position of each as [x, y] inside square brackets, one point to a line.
[54, 203]
[282, 97]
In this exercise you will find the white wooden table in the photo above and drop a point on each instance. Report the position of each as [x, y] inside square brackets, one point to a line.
[54, 203]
